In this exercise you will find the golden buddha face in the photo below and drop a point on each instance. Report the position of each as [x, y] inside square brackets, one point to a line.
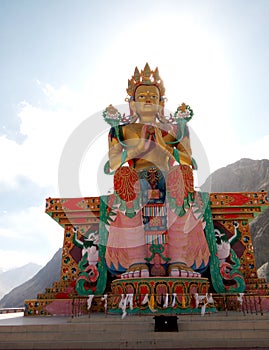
[146, 102]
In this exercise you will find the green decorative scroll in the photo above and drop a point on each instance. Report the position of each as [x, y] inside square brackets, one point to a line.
[84, 279]
[217, 276]
[157, 249]
[103, 235]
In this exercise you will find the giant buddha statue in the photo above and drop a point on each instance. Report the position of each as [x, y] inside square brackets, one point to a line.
[156, 225]
[155, 242]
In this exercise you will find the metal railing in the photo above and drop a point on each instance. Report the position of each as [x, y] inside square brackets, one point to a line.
[11, 310]
[241, 304]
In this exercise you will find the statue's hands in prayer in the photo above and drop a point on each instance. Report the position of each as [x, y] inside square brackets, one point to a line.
[145, 142]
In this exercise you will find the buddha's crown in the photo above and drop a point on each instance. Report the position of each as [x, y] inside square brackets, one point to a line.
[145, 77]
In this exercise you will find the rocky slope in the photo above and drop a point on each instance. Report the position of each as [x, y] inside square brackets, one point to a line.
[245, 175]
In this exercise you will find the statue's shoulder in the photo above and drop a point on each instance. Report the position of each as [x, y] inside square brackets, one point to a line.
[124, 131]
[131, 129]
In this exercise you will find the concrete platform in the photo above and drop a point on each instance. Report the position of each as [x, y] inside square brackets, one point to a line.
[100, 331]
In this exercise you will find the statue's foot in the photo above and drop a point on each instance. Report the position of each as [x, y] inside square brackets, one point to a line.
[182, 270]
[136, 270]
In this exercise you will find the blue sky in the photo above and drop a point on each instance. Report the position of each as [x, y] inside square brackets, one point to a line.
[63, 62]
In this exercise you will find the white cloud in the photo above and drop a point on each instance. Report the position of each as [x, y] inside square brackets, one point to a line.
[47, 130]
[258, 149]
[8, 232]
[10, 162]
[30, 236]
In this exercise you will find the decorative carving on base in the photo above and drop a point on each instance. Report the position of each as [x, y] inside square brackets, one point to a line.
[159, 294]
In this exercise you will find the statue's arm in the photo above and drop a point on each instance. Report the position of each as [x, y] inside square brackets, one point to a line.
[115, 153]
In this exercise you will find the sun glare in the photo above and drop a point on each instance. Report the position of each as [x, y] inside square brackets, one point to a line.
[191, 63]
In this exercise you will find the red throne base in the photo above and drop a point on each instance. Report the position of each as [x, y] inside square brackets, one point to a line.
[181, 295]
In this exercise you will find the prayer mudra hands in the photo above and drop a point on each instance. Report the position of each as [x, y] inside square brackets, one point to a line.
[151, 136]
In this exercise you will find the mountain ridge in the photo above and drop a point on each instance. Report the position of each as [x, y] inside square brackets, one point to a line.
[16, 276]
[37, 284]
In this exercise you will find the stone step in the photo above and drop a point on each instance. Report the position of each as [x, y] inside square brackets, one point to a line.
[162, 341]
[134, 332]
[122, 333]
[210, 331]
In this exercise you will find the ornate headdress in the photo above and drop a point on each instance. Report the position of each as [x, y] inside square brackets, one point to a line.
[145, 77]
